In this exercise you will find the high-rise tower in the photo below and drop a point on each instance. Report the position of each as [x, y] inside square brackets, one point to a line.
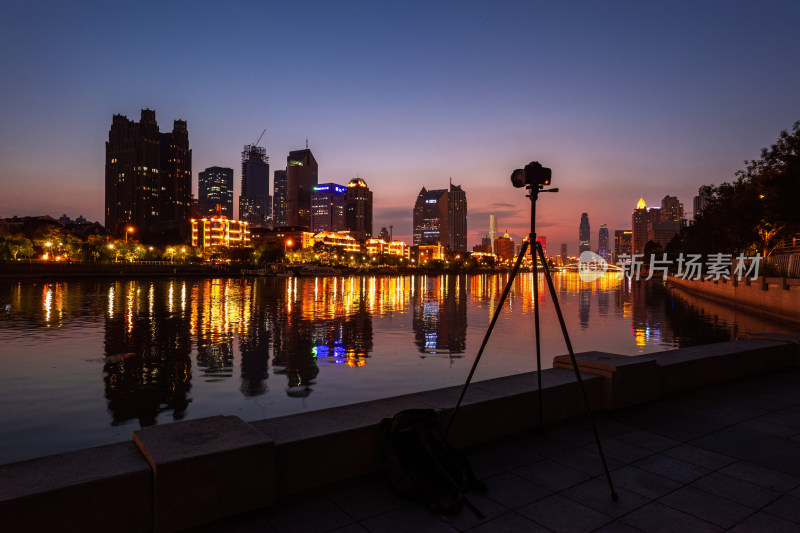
[440, 216]
[255, 203]
[602, 240]
[639, 219]
[584, 237]
[358, 209]
[493, 230]
[215, 191]
[148, 178]
[302, 174]
[279, 198]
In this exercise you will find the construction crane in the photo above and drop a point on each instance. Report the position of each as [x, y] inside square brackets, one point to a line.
[259, 137]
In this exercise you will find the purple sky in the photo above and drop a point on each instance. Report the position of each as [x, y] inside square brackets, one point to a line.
[620, 99]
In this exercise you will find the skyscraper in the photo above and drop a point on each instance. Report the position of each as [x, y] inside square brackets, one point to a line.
[584, 236]
[493, 230]
[440, 217]
[639, 219]
[279, 199]
[327, 207]
[255, 203]
[603, 250]
[704, 195]
[622, 242]
[215, 189]
[301, 177]
[563, 253]
[358, 209]
[148, 178]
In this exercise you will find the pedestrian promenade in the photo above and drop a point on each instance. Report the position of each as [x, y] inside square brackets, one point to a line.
[720, 458]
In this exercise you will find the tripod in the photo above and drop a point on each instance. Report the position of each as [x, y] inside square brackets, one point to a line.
[537, 254]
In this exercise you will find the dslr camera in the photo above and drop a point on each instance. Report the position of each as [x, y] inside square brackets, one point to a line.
[533, 174]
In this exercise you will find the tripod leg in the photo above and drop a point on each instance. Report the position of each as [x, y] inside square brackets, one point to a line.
[554, 296]
[534, 256]
[497, 310]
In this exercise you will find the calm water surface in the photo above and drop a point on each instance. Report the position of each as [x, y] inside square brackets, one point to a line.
[88, 362]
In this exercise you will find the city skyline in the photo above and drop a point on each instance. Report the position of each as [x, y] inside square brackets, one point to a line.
[617, 99]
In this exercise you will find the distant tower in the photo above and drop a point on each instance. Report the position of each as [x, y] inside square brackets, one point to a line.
[493, 230]
[603, 250]
[302, 174]
[255, 203]
[639, 219]
[704, 194]
[279, 199]
[215, 188]
[358, 209]
[622, 243]
[584, 239]
[563, 253]
[440, 216]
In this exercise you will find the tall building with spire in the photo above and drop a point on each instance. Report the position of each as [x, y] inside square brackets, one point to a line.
[639, 220]
[148, 178]
[584, 235]
[302, 175]
[493, 230]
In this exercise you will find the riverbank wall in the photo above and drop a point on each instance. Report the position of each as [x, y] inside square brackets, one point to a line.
[175, 476]
[776, 297]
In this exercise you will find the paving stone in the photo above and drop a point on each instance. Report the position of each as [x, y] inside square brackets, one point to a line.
[411, 518]
[489, 508]
[587, 462]
[787, 508]
[699, 456]
[658, 518]
[736, 490]
[762, 523]
[617, 526]
[672, 468]
[552, 475]
[758, 448]
[621, 450]
[253, 522]
[648, 440]
[763, 425]
[308, 514]
[643, 482]
[513, 491]
[596, 494]
[510, 523]
[562, 514]
[366, 497]
[708, 507]
[355, 527]
[765, 477]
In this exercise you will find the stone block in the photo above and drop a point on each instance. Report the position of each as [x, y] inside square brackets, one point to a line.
[627, 380]
[98, 489]
[207, 469]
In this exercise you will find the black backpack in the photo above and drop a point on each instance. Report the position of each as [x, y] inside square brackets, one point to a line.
[423, 466]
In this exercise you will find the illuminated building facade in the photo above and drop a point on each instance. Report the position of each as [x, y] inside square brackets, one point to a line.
[279, 198]
[327, 207]
[381, 247]
[358, 209]
[148, 178]
[504, 248]
[215, 192]
[301, 176]
[623, 240]
[440, 216]
[584, 235]
[340, 241]
[255, 203]
[602, 240]
[430, 252]
[219, 231]
[639, 220]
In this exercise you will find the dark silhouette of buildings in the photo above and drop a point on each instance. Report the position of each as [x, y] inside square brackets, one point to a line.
[440, 217]
[255, 202]
[602, 240]
[623, 239]
[358, 209]
[584, 242]
[148, 178]
[302, 174]
[704, 195]
[279, 198]
[639, 219]
[215, 192]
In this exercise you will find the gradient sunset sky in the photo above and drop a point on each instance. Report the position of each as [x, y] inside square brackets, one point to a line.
[620, 99]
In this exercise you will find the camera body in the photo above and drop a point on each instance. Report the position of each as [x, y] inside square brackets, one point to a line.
[534, 174]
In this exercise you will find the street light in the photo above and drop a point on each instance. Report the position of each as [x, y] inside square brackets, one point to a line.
[129, 229]
[286, 245]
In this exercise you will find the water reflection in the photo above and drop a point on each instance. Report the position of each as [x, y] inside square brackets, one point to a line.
[282, 335]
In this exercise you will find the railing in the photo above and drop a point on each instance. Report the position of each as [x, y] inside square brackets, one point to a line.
[786, 264]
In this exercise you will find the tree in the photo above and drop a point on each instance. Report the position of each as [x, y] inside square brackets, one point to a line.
[19, 245]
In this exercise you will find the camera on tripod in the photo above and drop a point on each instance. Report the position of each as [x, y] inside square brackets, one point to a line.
[533, 174]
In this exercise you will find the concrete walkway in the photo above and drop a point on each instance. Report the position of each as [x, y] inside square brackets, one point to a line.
[724, 457]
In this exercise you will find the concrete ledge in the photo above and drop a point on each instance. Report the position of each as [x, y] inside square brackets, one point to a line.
[97, 489]
[207, 469]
